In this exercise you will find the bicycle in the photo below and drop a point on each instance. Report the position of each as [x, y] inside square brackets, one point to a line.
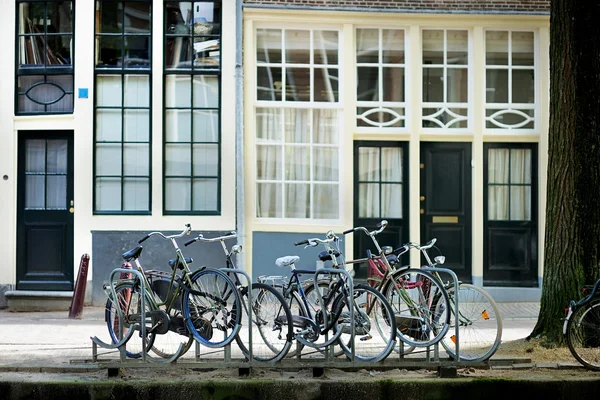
[271, 317]
[582, 327]
[189, 304]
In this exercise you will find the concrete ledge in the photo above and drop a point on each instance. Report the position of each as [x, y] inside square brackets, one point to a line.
[31, 300]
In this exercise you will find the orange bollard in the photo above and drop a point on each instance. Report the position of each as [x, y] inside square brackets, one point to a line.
[76, 308]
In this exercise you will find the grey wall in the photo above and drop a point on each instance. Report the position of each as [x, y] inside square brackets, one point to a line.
[107, 247]
[268, 246]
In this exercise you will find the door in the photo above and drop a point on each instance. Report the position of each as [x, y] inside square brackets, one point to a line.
[380, 192]
[446, 203]
[45, 211]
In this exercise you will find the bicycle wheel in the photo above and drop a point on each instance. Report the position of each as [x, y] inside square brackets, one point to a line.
[479, 324]
[128, 299]
[167, 344]
[298, 312]
[211, 308]
[370, 344]
[420, 320]
[583, 334]
[272, 327]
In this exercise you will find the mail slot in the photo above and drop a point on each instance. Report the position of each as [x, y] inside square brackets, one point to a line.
[445, 220]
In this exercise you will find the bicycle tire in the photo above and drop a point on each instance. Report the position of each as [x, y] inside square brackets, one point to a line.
[270, 313]
[583, 334]
[420, 321]
[298, 310]
[211, 304]
[167, 344]
[479, 324]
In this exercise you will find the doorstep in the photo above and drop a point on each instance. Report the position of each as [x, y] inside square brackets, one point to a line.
[38, 300]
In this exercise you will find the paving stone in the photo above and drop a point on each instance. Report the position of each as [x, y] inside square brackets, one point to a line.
[547, 365]
[524, 366]
[569, 365]
[502, 367]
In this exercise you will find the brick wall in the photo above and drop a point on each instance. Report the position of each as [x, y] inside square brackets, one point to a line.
[482, 6]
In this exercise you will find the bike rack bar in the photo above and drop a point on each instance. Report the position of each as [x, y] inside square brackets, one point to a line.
[238, 271]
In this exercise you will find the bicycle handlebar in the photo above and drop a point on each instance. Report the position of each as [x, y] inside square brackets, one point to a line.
[185, 232]
[382, 225]
[315, 241]
[201, 238]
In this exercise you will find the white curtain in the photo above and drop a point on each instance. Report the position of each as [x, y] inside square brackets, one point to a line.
[268, 162]
[391, 193]
[373, 202]
[518, 200]
[498, 184]
[520, 178]
[368, 171]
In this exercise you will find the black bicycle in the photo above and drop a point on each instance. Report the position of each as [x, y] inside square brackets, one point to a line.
[582, 327]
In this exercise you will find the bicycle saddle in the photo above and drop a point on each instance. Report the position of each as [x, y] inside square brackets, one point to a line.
[188, 260]
[325, 256]
[286, 261]
[132, 254]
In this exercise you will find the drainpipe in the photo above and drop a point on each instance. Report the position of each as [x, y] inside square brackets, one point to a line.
[239, 133]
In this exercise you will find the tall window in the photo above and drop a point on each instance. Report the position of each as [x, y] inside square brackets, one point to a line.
[122, 107]
[45, 46]
[509, 184]
[297, 124]
[380, 74]
[510, 80]
[192, 144]
[445, 79]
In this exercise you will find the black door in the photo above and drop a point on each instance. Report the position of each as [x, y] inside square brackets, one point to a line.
[380, 192]
[446, 203]
[45, 211]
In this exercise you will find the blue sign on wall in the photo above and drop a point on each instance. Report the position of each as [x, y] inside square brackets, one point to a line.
[83, 93]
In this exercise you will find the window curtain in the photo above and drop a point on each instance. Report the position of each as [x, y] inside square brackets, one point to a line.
[380, 196]
[509, 184]
[520, 178]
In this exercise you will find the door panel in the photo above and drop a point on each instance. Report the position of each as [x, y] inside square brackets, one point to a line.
[45, 211]
[446, 203]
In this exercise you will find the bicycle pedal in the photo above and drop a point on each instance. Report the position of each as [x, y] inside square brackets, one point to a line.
[365, 338]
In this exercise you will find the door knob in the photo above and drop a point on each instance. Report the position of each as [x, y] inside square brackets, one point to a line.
[422, 198]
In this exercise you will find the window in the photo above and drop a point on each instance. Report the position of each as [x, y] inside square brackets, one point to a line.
[45, 57]
[445, 79]
[192, 145]
[510, 80]
[122, 107]
[298, 124]
[380, 76]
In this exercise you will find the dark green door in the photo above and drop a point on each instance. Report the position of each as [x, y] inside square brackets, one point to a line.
[45, 211]
[380, 192]
[446, 203]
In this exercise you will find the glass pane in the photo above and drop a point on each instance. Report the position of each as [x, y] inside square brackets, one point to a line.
[108, 159]
[268, 125]
[35, 192]
[297, 125]
[433, 85]
[391, 164]
[325, 126]
[65, 83]
[206, 91]
[326, 204]
[108, 125]
[268, 45]
[137, 17]
[178, 160]
[57, 157]
[109, 51]
[367, 88]
[512, 119]
[56, 192]
[297, 86]
[206, 159]
[109, 91]
[109, 17]
[522, 48]
[108, 194]
[297, 200]
[27, 55]
[498, 203]
[178, 125]
[178, 90]
[269, 83]
[35, 156]
[368, 164]
[392, 46]
[269, 203]
[368, 200]
[137, 90]
[205, 194]
[326, 47]
[178, 52]
[393, 84]
[391, 201]
[137, 126]
[496, 48]
[268, 162]
[458, 47]
[457, 86]
[326, 85]
[297, 47]
[136, 194]
[178, 194]
[520, 166]
[297, 163]
[498, 165]
[520, 203]
[523, 86]
[206, 126]
[496, 85]
[326, 164]
[136, 159]
[433, 47]
[367, 46]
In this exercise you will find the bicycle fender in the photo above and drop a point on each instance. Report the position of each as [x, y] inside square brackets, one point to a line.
[567, 320]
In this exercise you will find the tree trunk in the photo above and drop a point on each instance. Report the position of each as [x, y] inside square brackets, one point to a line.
[572, 253]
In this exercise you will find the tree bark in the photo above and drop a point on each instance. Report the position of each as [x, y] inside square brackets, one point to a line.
[572, 249]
